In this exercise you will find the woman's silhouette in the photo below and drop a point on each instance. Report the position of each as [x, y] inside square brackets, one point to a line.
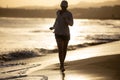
[61, 30]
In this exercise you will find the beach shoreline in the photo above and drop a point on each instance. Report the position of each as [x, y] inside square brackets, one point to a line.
[100, 62]
[97, 68]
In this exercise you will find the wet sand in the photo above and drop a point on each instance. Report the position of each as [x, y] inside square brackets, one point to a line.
[99, 62]
[98, 68]
[103, 65]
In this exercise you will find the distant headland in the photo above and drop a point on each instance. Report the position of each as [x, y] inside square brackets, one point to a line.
[105, 12]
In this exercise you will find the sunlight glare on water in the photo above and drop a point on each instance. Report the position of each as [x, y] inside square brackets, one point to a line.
[35, 33]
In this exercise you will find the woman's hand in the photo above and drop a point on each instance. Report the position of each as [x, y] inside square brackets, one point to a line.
[51, 28]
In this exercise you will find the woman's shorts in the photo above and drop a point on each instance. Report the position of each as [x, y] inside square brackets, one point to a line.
[63, 37]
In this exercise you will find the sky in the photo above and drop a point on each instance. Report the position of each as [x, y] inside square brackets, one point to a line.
[46, 3]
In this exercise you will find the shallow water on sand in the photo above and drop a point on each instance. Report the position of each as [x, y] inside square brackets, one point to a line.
[39, 67]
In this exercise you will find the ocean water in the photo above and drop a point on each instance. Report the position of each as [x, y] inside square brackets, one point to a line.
[18, 33]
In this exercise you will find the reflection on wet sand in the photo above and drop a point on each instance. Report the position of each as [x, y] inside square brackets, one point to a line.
[63, 75]
[67, 76]
[73, 77]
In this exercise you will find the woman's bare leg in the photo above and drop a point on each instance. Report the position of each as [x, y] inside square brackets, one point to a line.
[60, 45]
[62, 48]
[65, 48]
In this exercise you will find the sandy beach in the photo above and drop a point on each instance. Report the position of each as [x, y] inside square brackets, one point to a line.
[99, 62]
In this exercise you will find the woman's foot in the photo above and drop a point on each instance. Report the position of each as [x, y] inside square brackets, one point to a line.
[62, 68]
